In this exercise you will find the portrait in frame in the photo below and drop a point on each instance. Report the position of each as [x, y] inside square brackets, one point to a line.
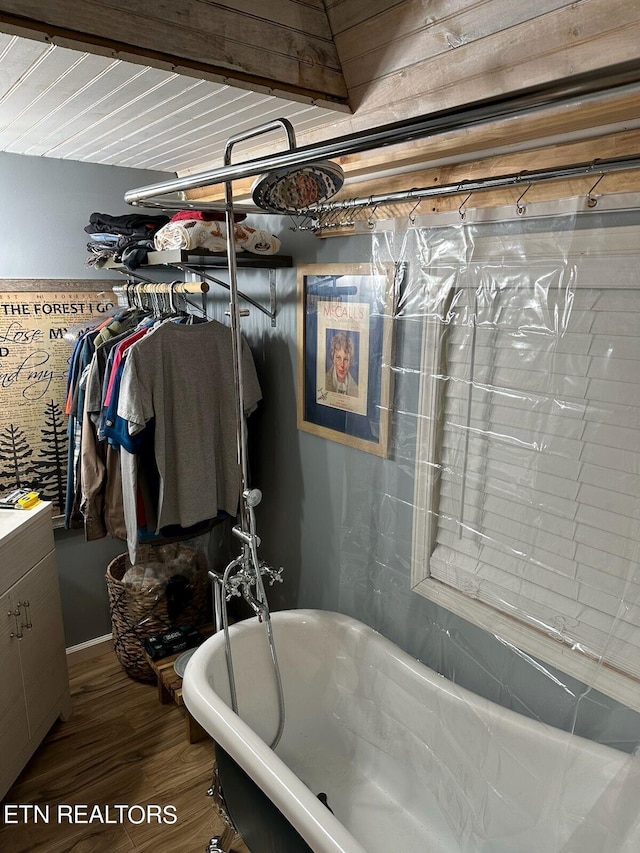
[344, 353]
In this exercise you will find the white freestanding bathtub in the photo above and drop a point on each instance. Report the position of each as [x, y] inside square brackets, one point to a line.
[410, 763]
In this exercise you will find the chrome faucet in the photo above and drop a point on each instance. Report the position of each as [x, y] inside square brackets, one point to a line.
[244, 580]
[241, 578]
[258, 607]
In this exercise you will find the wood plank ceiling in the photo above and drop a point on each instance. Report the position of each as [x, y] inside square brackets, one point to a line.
[406, 58]
[70, 104]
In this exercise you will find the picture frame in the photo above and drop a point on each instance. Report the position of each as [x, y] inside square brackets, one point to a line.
[345, 337]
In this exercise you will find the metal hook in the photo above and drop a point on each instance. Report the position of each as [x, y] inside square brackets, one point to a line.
[412, 218]
[332, 219]
[591, 201]
[158, 299]
[345, 217]
[338, 220]
[172, 304]
[137, 299]
[359, 211]
[461, 209]
[520, 208]
[370, 223]
[324, 220]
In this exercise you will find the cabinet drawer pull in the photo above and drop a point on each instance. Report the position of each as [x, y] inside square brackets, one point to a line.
[17, 633]
[27, 614]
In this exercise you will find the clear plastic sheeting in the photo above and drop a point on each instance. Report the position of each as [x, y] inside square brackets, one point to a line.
[499, 541]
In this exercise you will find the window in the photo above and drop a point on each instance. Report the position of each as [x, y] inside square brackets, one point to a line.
[528, 466]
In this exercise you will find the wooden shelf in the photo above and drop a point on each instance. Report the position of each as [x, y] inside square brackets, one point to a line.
[169, 685]
[217, 260]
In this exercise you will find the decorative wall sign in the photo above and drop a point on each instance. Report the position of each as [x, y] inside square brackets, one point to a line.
[344, 353]
[34, 355]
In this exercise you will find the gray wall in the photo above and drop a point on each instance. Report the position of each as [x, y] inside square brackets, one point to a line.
[44, 206]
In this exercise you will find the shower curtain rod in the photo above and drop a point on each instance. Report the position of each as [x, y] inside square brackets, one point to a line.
[599, 167]
[580, 90]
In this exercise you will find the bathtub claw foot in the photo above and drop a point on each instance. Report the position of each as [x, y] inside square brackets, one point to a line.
[214, 845]
[215, 792]
[221, 843]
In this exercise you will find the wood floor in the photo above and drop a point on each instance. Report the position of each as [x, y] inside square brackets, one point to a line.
[120, 746]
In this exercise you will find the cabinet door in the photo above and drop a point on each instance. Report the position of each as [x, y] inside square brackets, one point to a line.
[25, 538]
[14, 731]
[42, 649]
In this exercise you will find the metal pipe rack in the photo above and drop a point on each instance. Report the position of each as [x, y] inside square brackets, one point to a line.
[581, 90]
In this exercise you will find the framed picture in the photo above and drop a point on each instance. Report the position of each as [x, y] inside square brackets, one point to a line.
[344, 353]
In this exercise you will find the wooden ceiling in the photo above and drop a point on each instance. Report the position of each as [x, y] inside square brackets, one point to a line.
[280, 46]
[70, 104]
[384, 61]
[405, 59]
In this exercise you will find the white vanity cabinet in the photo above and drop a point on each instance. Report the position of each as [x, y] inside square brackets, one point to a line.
[33, 667]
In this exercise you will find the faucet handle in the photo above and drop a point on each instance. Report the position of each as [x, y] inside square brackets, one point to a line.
[273, 575]
[233, 586]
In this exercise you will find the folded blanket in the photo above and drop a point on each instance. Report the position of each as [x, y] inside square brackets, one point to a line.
[193, 234]
[130, 224]
[130, 251]
[105, 239]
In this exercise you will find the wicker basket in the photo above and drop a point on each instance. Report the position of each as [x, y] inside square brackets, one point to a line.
[139, 614]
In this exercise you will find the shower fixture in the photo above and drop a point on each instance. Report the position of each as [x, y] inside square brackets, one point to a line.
[245, 573]
[292, 189]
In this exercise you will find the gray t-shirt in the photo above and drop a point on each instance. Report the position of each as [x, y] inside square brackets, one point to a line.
[182, 375]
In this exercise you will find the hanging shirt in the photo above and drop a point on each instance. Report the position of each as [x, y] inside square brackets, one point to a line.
[182, 375]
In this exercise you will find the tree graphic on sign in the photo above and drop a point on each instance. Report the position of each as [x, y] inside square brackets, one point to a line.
[15, 455]
[52, 462]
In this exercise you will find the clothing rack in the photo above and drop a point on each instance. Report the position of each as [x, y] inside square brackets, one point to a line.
[168, 259]
[146, 287]
[170, 287]
[270, 312]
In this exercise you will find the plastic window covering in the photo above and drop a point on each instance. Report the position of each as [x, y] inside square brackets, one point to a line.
[538, 499]
[516, 414]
